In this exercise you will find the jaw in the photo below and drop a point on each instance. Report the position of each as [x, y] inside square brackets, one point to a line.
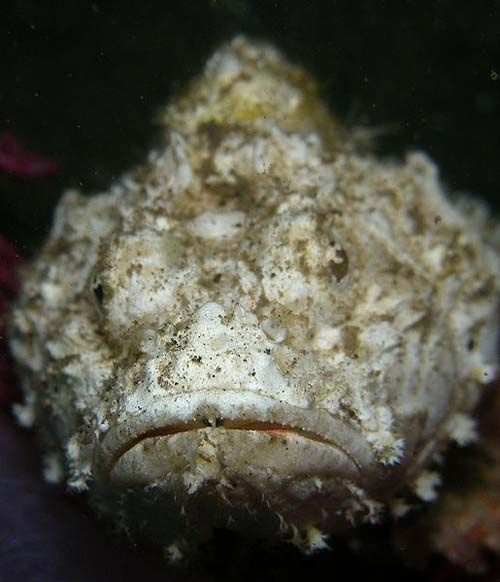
[274, 470]
[261, 454]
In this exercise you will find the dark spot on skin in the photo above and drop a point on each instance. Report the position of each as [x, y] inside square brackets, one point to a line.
[418, 219]
[99, 293]
[215, 133]
[470, 345]
[339, 268]
[217, 277]
[196, 359]
[350, 337]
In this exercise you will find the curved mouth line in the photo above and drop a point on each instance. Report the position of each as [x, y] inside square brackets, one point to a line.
[272, 428]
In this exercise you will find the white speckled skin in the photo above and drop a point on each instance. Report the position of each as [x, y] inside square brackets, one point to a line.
[261, 324]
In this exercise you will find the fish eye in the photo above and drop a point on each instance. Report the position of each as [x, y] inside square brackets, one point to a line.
[97, 290]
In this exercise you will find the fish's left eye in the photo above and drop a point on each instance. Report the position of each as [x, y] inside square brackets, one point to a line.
[98, 290]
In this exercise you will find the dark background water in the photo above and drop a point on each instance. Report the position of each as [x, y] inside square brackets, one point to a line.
[83, 81]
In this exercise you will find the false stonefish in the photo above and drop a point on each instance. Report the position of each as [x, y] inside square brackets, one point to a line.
[264, 327]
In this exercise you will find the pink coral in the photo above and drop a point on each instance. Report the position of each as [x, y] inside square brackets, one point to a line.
[19, 162]
[467, 522]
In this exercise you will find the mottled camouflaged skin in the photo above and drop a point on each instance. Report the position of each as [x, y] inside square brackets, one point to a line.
[261, 325]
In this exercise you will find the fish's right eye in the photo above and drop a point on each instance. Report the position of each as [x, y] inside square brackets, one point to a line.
[98, 291]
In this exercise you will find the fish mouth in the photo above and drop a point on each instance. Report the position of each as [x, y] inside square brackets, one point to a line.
[240, 430]
[270, 429]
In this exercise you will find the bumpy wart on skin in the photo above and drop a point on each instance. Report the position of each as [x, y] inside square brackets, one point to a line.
[261, 328]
